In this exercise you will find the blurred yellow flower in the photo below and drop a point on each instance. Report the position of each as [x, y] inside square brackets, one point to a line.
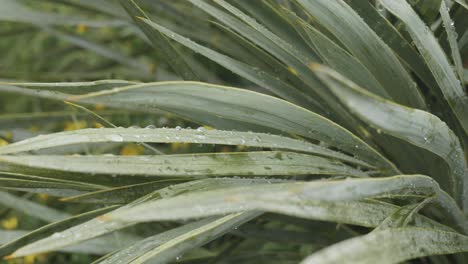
[69, 125]
[97, 125]
[3, 142]
[99, 107]
[178, 146]
[10, 223]
[132, 150]
[80, 29]
[43, 196]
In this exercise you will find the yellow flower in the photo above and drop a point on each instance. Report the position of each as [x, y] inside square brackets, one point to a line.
[43, 196]
[132, 150]
[75, 125]
[10, 223]
[178, 146]
[97, 125]
[3, 142]
[29, 259]
[80, 29]
[99, 107]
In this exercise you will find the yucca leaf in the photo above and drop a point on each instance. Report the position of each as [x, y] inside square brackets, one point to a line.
[462, 3]
[367, 47]
[167, 246]
[160, 42]
[255, 75]
[31, 208]
[15, 11]
[417, 127]
[391, 246]
[452, 39]
[275, 197]
[292, 57]
[393, 38]
[338, 58]
[10, 245]
[167, 135]
[188, 165]
[434, 57]
[121, 195]
[104, 51]
[403, 215]
[47, 187]
[97, 227]
[214, 105]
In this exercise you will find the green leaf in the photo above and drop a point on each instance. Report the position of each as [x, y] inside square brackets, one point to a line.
[97, 226]
[452, 38]
[367, 47]
[215, 105]
[187, 165]
[462, 3]
[296, 60]
[339, 59]
[253, 74]
[25, 238]
[391, 246]
[15, 11]
[112, 54]
[170, 54]
[121, 195]
[31, 208]
[167, 246]
[167, 135]
[435, 58]
[417, 127]
[393, 38]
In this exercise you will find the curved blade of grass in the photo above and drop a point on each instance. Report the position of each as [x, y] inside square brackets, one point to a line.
[462, 3]
[47, 187]
[417, 127]
[391, 246]
[393, 38]
[213, 105]
[22, 120]
[225, 107]
[14, 11]
[102, 50]
[190, 165]
[367, 47]
[275, 197]
[452, 38]
[435, 58]
[170, 54]
[97, 227]
[121, 195]
[167, 135]
[31, 208]
[340, 59]
[296, 61]
[253, 74]
[50, 229]
[167, 246]
[403, 215]
[75, 87]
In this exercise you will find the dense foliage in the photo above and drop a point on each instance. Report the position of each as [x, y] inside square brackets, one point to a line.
[124, 140]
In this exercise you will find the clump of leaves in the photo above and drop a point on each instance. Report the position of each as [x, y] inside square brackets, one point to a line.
[348, 112]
